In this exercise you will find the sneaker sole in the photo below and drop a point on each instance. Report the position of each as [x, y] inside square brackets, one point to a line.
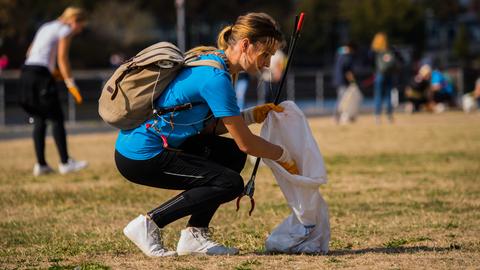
[72, 171]
[194, 253]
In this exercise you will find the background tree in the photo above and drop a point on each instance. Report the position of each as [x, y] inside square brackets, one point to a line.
[127, 26]
[318, 34]
[402, 20]
[461, 47]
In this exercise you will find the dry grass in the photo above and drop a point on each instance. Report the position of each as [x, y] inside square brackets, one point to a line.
[401, 196]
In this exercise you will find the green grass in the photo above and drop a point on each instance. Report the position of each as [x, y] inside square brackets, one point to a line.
[400, 196]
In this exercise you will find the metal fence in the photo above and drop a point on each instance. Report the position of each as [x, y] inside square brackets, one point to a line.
[301, 85]
[310, 88]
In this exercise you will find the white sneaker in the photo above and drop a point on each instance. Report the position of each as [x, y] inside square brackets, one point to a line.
[41, 170]
[440, 108]
[196, 241]
[147, 236]
[71, 166]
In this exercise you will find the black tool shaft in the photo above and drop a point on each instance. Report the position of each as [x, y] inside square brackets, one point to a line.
[291, 50]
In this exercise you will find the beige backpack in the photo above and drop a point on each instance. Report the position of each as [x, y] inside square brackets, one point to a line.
[127, 99]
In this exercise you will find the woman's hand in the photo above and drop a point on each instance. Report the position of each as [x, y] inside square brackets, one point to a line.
[73, 89]
[258, 114]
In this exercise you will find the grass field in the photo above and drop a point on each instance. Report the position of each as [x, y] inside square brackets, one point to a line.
[401, 196]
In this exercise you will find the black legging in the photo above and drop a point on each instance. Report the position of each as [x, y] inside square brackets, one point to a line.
[208, 169]
[59, 135]
[39, 98]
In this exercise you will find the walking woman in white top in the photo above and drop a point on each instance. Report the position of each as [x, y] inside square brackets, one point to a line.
[39, 95]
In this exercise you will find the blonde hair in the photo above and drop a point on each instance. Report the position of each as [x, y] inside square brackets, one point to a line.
[257, 27]
[425, 71]
[74, 13]
[380, 42]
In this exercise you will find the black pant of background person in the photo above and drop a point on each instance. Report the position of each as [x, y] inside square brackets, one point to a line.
[207, 168]
[39, 98]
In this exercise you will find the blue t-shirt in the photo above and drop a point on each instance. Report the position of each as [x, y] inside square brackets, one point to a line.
[208, 87]
[439, 78]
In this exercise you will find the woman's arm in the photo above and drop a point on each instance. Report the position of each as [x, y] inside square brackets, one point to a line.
[62, 59]
[64, 66]
[249, 142]
[251, 115]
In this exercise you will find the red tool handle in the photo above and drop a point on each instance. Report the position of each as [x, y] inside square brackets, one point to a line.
[300, 22]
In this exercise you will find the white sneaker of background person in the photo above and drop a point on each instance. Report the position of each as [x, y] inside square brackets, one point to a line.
[41, 169]
[147, 236]
[71, 166]
[440, 108]
[196, 241]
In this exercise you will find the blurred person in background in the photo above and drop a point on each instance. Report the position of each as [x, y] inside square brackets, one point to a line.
[385, 66]
[39, 94]
[343, 74]
[3, 62]
[417, 90]
[471, 100]
[116, 59]
[442, 92]
[476, 91]
[271, 76]
[241, 88]
[186, 152]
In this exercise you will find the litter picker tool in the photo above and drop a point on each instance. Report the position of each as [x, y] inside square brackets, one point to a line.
[250, 186]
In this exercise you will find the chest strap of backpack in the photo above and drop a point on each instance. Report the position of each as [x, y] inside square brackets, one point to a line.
[176, 108]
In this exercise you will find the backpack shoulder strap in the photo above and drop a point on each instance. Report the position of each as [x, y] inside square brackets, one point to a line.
[206, 62]
[192, 60]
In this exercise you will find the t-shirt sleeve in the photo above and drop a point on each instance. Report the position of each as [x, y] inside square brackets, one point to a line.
[64, 31]
[220, 96]
[436, 78]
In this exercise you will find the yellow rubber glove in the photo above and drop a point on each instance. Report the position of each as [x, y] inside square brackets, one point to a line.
[73, 89]
[289, 167]
[76, 94]
[258, 114]
[287, 162]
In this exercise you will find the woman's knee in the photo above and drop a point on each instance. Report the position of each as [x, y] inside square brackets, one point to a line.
[237, 185]
[232, 183]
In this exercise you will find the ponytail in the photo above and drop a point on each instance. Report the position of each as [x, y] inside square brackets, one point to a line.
[223, 39]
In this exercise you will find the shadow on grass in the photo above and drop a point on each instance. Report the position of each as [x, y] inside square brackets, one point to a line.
[388, 250]
[383, 250]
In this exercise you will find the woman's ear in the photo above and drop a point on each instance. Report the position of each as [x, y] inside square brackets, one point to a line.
[244, 44]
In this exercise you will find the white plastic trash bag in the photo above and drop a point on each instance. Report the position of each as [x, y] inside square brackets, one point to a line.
[469, 104]
[350, 103]
[307, 229]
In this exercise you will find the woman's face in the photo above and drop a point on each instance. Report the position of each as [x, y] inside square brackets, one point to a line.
[77, 26]
[255, 57]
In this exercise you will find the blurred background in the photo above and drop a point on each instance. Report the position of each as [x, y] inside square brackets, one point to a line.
[445, 34]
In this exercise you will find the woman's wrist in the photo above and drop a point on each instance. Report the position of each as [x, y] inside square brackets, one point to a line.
[247, 115]
[285, 156]
[70, 82]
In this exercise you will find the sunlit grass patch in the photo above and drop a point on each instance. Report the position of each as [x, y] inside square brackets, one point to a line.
[399, 196]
